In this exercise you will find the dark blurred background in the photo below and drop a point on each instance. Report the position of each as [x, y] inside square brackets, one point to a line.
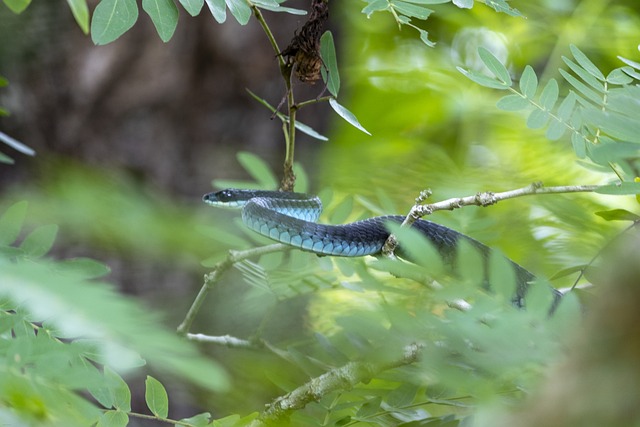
[130, 135]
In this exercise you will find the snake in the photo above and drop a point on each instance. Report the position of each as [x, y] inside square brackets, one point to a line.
[291, 218]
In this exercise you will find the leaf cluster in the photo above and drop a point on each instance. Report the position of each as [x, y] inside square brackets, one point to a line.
[62, 332]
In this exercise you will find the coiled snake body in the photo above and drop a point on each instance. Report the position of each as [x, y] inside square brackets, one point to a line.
[290, 218]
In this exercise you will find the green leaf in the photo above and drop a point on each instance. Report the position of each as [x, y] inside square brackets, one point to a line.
[483, 80]
[549, 95]
[309, 131]
[618, 215]
[537, 119]
[418, 248]
[200, 420]
[86, 268]
[579, 145]
[512, 103]
[330, 74]
[111, 19]
[568, 271]
[240, 10]
[80, 12]
[424, 37]
[347, 115]
[615, 125]
[621, 188]
[375, 6]
[156, 397]
[411, 10]
[39, 241]
[586, 63]
[6, 159]
[581, 87]
[17, 6]
[11, 222]
[463, 4]
[529, 82]
[218, 9]
[629, 62]
[428, 1]
[16, 145]
[164, 15]
[119, 390]
[619, 77]
[584, 75]
[495, 66]
[558, 128]
[267, 5]
[258, 169]
[113, 419]
[193, 7]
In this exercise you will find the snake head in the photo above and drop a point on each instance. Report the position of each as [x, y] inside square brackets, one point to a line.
[229, 198]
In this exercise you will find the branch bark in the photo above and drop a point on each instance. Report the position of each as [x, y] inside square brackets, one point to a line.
[483, 199]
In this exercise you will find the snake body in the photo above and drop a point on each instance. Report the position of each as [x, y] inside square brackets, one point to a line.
[290, 218]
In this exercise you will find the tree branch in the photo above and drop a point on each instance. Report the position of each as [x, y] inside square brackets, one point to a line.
[214, 276]
[483, 199]
[343, 378]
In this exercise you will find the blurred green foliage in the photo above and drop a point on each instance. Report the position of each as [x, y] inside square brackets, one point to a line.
[64, 333]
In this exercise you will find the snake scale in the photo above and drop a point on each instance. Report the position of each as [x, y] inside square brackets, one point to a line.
[290, 218]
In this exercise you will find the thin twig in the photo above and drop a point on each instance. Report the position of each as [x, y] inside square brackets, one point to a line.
[216, 273]
[483, 199]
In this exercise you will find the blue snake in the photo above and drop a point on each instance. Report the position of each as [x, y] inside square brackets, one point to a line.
[290, 218]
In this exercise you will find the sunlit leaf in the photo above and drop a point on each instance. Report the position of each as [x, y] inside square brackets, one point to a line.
[347, 115]
[618, 215]
[111, 19]
[164, 15]
[495, 66]
[329, 71]
[80, 12]
[156, 397]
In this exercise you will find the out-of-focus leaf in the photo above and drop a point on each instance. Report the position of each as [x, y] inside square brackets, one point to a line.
[347, 115]
[258, 169]
[193, 7]
[218, 9]
[39, 241]
[537, 119]
[111, 19]
[240, 10]
[330, 74]
[621, 188]
[156, 397]
[495, 66]
[80, 12]
[618, 215]
[11, 222]
[17, 6]
[164, 15]
[568, 271]
[86, 268]
[424, 37]
[200, 420]
[16, 145]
